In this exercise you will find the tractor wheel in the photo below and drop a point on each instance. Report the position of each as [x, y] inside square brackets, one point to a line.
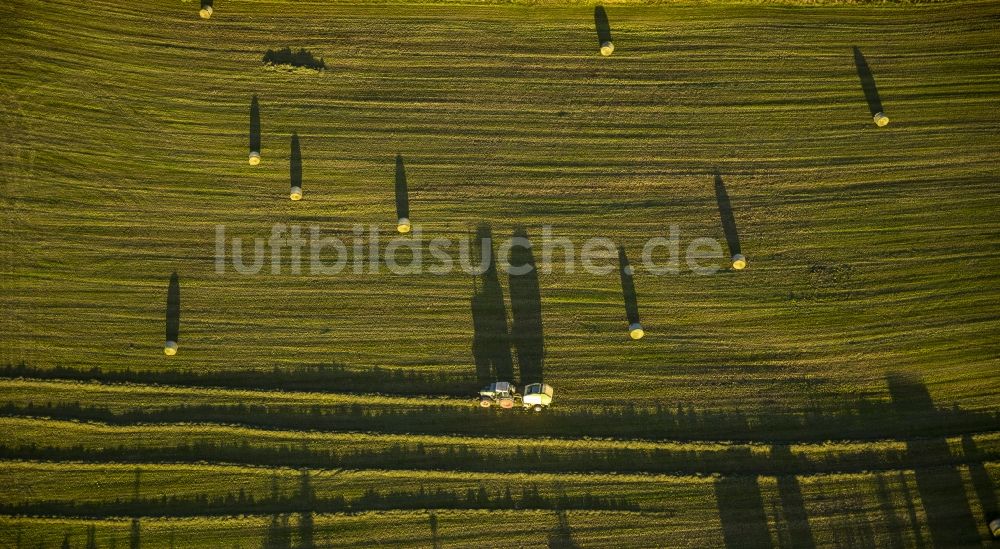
[506, 403]
[485, 403]
[537, 407]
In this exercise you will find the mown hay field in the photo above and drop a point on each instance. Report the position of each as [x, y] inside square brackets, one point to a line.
[840, 391]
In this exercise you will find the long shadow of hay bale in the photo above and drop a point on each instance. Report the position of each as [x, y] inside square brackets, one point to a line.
[603, 28]
[728, 223]
[628, 293]
[207, 8]
[526, 309]
[173, 313]
[402, 197]
[868, 85]
[295, 168]
[254, 131]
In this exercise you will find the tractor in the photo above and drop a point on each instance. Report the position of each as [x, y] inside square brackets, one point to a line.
[500, 392]
[536, 396]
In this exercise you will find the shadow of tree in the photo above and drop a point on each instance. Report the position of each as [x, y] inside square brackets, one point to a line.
[134, 538]
[491, 340]
[981, 481]
[334, 378]
[287, 57]
[911, 511]
[307, 502]
[795, 526]
[728, 460]
[561, 537]
[861, 419]
[941, 489]
[279, 533]
[894, 526]
[435, 540]
[910, 416]
[851, 524]
[741, 510]
[137, 483]
[526, 309]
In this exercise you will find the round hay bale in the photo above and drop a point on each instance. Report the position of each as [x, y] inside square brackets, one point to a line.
[254, 158]
[607, 48]
[206, 11]
[995, 527]
[635, 331]
[170, 348]
[296, 193]
[739, 262]
[881, 119]
[403, 226]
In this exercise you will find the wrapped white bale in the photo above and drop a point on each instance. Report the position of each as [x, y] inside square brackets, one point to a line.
[254, 158]
[170, 348]
[635, 331]
[206, 11]
[995, 527]
[880, 119]
[607, 48]
[739, 262]
[403, 225]
[296, 193]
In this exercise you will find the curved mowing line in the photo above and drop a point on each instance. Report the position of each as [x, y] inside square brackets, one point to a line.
[353, 418]
[457, 438]
[134, 391]
[369, 451]
[129, 467]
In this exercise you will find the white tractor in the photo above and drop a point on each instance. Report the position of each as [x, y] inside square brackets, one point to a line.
[536, 396]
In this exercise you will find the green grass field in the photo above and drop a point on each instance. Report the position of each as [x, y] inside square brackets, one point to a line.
[839, 392]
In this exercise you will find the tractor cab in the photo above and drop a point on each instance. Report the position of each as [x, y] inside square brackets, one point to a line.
[537, 396]
[500, 392]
